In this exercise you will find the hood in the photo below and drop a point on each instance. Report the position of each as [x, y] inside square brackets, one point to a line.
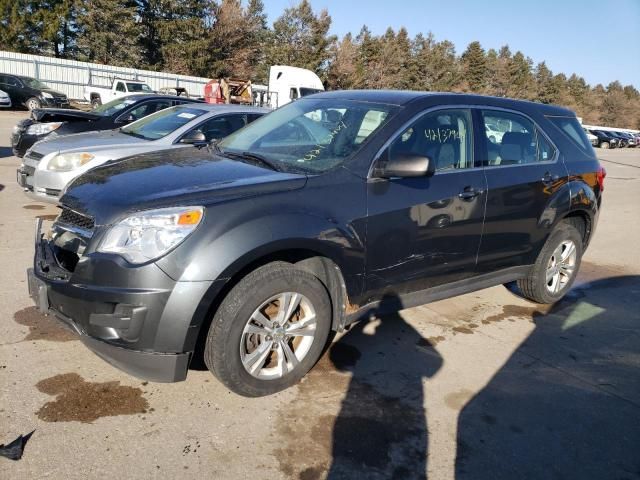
[53, 92]
[167, 178]
[89, 141]
[62, 115]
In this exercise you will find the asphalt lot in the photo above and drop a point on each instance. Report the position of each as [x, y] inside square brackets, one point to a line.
[485, 385]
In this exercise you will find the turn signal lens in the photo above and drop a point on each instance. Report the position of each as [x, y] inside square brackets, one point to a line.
[190, 218]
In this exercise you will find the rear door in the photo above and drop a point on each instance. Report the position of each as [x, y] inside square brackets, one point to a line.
[524, 172]
[425, 231]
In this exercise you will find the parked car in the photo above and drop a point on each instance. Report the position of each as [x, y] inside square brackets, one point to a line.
[120, 87]
[623, 142]
[30, 92]
[631, 140]
[257, 252]
[5, 100]
[605, 139]
[50, 164]
[56, 122]
[592, 138]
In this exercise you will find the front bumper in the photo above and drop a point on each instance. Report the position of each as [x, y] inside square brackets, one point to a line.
[21, 142]
[55, 102]
[136, 318]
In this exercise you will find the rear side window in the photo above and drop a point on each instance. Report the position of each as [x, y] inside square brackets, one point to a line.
[572, 129]
[513, 139]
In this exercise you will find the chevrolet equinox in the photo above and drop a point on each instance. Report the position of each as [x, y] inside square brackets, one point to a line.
[250, 252]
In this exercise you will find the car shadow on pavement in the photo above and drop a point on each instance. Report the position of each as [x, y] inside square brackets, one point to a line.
[567, 402]
[381, 430]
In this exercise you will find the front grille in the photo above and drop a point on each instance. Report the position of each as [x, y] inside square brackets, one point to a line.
[35, 156]
[28, 170]
[75, 219]
[53, 192]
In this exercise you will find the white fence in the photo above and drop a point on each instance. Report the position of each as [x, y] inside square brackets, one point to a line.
[70, 76]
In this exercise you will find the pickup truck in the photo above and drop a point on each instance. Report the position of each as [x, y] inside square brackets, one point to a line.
[119, 88]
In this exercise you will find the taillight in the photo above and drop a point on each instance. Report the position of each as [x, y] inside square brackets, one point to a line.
[602, 173]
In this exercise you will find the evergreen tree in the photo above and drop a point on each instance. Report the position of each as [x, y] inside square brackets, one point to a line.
[108, 33]
[474, 65]
[300, 38]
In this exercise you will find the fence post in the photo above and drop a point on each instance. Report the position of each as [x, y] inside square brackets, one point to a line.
[36, 69]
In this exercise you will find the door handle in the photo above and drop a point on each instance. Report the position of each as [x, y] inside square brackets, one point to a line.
[548, 179]
[469, 193]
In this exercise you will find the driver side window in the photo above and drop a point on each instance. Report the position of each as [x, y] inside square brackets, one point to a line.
[444, 136]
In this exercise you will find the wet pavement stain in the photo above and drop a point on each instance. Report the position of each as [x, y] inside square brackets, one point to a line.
[430, 341]
[510, 312]
[465, 330]
[459, 399]
[42, 327]
[33, 207]
[80, 401]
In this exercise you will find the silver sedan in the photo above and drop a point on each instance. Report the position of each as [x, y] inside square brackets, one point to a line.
[51, 164]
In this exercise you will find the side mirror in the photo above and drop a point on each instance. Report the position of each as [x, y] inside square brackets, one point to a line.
[128, 119]
[404, 165]
[194, 137]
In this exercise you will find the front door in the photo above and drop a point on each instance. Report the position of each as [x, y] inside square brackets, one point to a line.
[425, 231]
[524, 173]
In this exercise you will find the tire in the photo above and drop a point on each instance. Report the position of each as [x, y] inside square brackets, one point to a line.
[604, 145]
[537, 286]
[238, 336]
[33, 103]
[96, 102]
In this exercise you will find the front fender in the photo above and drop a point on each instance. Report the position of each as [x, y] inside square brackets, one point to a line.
[220, 257]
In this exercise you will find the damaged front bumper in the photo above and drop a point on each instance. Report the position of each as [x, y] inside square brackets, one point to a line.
[137, 319]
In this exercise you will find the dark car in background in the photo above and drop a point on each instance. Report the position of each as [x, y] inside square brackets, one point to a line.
[310, 218]
[631, 139]
[623, 142]
[31, 93]
[605, 139]
[117, 113]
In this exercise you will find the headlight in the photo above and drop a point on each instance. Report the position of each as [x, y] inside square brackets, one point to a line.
[47, 95]
[64, 162]
[43, 128]
[149, 235]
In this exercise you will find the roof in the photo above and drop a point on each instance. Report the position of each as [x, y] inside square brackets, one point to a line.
[403, 97]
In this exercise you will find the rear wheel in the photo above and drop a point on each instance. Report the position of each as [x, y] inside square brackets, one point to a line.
[269, 330]
[556, 266]
[96, 102]
[33, 103]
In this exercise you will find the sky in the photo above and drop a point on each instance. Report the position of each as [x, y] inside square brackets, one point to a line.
[598, 40]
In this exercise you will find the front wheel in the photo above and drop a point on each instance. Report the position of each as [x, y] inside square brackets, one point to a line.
[33, 103]
[556, 266]
[604, 145]
[269, 331]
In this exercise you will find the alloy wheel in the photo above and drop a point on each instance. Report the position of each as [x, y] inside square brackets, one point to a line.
[278, 336]
[561, 266]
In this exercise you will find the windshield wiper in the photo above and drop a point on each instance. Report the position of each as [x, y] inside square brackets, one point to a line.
[137, 135]
[254, 157]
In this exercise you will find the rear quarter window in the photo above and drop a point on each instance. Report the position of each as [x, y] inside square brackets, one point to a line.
[572, 129]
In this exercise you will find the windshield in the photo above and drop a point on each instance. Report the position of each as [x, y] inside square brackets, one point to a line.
[310, 135]
[139, 87]
[33, 83]
[114, 106]
[162, 123]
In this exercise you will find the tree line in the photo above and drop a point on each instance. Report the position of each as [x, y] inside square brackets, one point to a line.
[212, 38]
